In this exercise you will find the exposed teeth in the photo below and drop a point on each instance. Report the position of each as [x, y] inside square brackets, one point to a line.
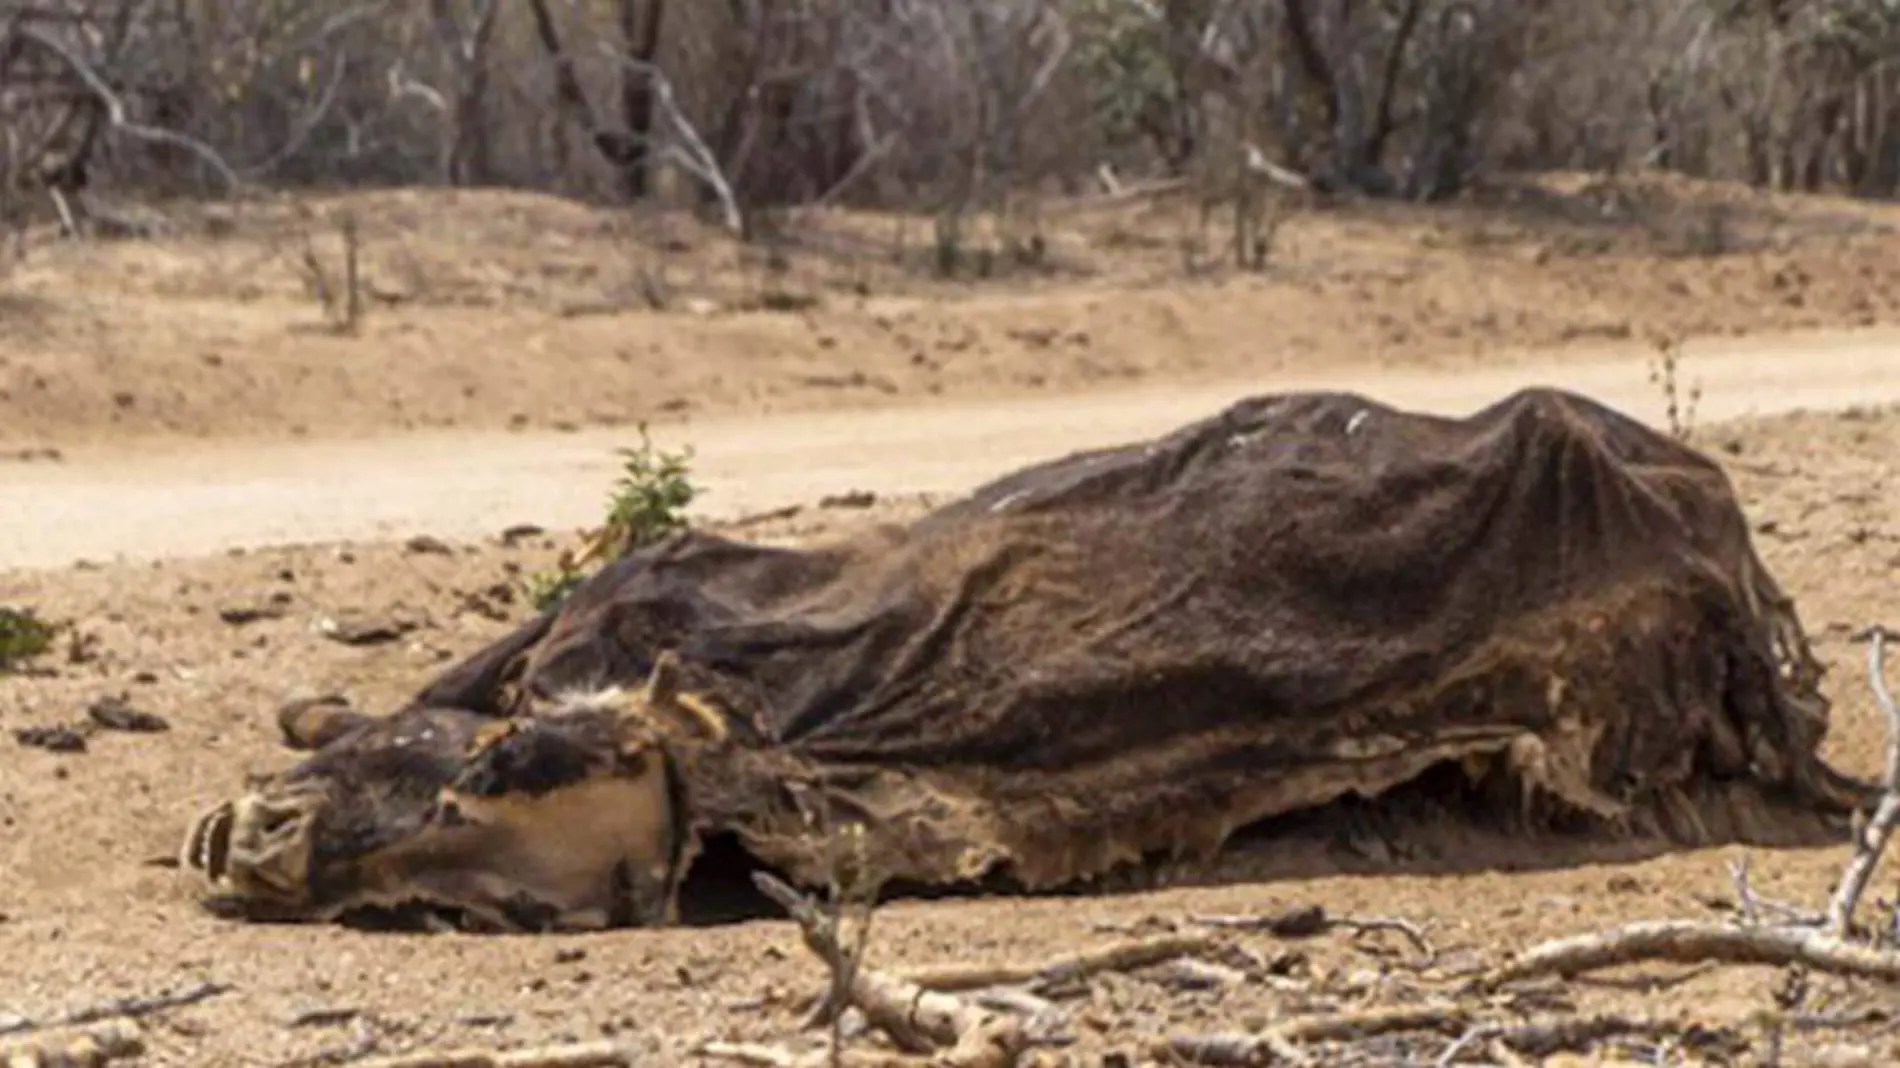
[208, 847]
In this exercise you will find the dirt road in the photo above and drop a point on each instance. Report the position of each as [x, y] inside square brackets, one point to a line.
[139, 504]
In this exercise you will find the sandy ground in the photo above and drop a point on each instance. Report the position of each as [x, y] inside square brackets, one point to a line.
[488, 310]
[198, 498]
[210, 618]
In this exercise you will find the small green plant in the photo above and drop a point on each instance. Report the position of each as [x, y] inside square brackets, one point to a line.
[649, 503]
[651, 498]
[23, 636]
[549, 588]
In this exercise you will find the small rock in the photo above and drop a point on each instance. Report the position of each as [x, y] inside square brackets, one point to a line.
[854, 499]
[238, 615]
[51, 739]
[361, 630]
[520, 532]
[427, 544]
[117, 714]
[324, 1016]
[569, 956]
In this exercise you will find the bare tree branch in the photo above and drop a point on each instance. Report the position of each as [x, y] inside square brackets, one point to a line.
[692, 154]
[115, 108]
[306, 124]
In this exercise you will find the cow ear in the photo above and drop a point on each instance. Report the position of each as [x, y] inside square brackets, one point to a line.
[307, 724]
[676, 711]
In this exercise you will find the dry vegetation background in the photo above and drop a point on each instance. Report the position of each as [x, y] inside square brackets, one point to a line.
[945, 107]
[746, 107]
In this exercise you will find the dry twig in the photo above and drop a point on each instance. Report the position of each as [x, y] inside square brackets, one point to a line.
[132, 1007]
[922, 1022]
[95, 1045]
[574, 1055]
[90, 1048]
[1536, 1038]
[1039, 975]
[1693, 942]
[1872, 840]
[1281, 1042]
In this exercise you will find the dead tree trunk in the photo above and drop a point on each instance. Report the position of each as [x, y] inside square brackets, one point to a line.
[640, 22]
[465, 155]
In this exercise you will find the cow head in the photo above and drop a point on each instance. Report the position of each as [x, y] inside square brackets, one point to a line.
[568, 818]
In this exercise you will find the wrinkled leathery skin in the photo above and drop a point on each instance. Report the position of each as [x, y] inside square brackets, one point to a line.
[568, 820]
[1545, 616]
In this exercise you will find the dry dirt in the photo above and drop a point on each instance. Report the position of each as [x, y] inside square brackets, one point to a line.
[494, 310]
[1406, 303]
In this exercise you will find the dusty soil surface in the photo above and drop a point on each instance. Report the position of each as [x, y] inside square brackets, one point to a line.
[210, 641]
[491, 310]
[469, 484]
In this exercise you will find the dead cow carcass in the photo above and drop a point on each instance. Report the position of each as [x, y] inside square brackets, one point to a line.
[1118, 654]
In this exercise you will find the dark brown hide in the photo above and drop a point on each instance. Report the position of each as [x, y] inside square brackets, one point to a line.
[1146, 648]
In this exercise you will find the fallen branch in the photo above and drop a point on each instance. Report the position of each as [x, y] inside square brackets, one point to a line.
[1239, 1049]
[1872, 840]
[759, 1056]
[95, 1045]
[1695, 942]
[1541, 1038]
[1281, 1042]
[1039, 975]
[955, 1033]
[575, 1055]
[1533, 1038]
[132, 1007]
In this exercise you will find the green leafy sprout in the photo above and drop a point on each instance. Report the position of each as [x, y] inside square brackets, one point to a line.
[648, 504]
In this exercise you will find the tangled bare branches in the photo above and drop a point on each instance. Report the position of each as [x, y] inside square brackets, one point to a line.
[914, 104]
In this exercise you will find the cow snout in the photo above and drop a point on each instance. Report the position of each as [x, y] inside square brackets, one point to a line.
[258, 847]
